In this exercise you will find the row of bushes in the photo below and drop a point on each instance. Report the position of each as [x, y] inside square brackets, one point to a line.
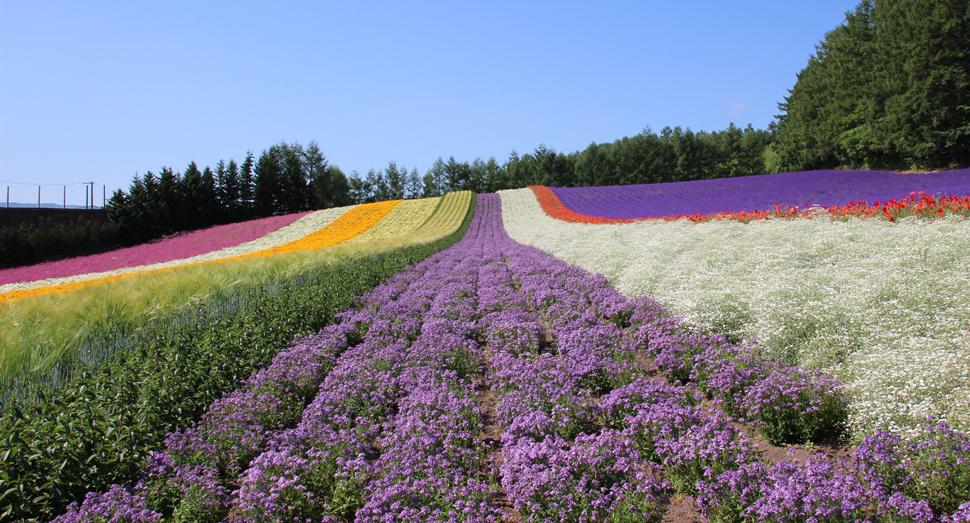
[100, 430]
[47, 240]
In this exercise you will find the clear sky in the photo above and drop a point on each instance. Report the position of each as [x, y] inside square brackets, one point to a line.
[99, 91]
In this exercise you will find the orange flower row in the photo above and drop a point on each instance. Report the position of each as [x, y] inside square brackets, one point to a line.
[916, 204]
[351, 224]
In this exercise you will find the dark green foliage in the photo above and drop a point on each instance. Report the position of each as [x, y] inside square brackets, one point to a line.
[247, 186]
[890, 88]
[31, 243]
[287, 178]
[674, 155]
[99, 430]
[193, 196]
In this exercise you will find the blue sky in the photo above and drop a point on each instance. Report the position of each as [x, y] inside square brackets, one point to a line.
[100, 91]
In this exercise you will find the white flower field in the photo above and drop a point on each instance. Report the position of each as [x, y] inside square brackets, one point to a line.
[885, 306]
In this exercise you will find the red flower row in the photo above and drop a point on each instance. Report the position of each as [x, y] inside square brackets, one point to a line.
[916, 204]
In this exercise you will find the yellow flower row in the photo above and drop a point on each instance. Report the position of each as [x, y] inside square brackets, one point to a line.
[351, 224]
[407, 217]
[447, 218]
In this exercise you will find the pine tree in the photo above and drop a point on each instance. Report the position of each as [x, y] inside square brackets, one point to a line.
[210, 202]
[168, 195]
[890, 88]
[319, 177]
[339, 187]
[229, 191]
[268, 174]
[192, 198]
[247, 188]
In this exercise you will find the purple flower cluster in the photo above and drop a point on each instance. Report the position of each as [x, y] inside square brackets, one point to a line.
[925, 481]
[117, 504]
[789, 404]
[758, 193]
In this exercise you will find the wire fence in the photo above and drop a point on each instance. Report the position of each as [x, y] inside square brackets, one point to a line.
[76, 195]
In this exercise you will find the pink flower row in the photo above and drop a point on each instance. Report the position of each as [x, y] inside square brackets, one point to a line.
[174, 247]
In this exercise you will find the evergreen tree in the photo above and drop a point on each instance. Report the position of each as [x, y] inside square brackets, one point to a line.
[318, 175]
[413, 187]
[360, 190]
[192, 208]
[457, 175]
[396, 181]
[269, 179]
[210, 202]
[169, 198]
[229, 190]
[247, 187]
[434, 179]
[495, 176]
[380, 190]
[153, 226]
[339, 188]
[890, 88]
[294, 189]
[119, 213]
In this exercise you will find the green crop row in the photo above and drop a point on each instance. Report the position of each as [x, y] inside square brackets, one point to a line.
[99, 429]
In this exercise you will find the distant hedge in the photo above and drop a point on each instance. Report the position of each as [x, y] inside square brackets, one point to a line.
[48, 240]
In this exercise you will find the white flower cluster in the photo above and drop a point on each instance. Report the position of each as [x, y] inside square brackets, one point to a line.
[306, 225]
[885, 306]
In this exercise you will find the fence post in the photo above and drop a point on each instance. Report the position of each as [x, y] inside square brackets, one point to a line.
[38, 196]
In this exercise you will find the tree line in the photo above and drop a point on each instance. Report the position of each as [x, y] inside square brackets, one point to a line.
[286, 178]
[889, 88]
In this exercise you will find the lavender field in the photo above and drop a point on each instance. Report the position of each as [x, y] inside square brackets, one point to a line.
[758, 193]
[493, 382]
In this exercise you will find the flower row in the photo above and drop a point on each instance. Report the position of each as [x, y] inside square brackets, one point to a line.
[758, 193]
[405, 218]
[914, 205]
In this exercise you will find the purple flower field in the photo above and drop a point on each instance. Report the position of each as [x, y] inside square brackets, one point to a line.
[174, 247]
[493, 382]
[758, 193]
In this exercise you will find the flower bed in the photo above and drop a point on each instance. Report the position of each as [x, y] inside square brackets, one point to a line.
[406, 218]
[917, 204]
[394, 432]
[759, 193]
